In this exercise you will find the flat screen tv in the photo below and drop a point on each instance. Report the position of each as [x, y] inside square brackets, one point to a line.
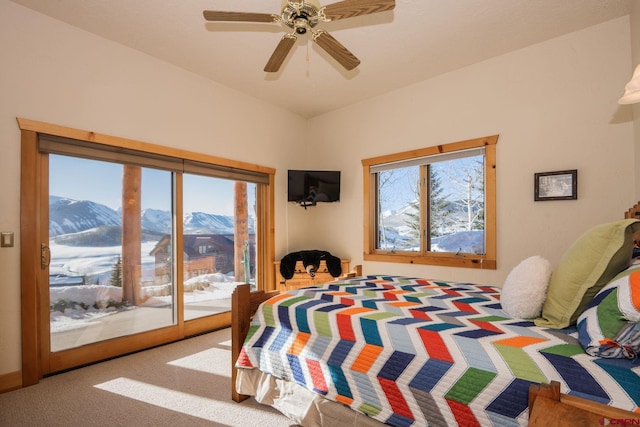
[310, 187]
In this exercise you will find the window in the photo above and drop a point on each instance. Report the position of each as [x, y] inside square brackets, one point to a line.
[114, 227]
[433, 206]
[96, 237]
[128, 245]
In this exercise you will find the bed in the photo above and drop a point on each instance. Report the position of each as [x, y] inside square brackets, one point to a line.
[370, 350]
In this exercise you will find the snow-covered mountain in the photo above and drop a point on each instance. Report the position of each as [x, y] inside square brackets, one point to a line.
[200, 222]
[156, 220]
[71, 216]
[68, 216]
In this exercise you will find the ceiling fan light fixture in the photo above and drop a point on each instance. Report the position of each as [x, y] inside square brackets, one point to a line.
[632, 89]
[300, 25]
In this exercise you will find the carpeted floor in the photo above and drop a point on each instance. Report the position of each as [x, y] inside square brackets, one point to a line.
[182, 384]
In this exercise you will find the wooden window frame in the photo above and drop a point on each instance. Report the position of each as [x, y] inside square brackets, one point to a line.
[444, 259]
[33, 311]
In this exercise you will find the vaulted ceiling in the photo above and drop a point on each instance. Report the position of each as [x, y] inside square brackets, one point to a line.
[419, 39]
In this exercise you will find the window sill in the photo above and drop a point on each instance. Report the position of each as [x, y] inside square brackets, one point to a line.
[439, 259]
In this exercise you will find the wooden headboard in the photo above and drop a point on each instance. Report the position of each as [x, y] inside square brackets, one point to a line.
[547, 406]
[633, 212]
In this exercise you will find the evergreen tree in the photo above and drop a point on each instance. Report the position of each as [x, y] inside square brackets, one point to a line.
[439, 208]
[412, 218]
[116, 273]
[439, 205]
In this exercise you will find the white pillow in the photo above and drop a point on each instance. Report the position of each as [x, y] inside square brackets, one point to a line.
[525, 288]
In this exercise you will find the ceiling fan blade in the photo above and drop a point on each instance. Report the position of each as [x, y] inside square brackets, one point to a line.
[334, 48]
[279, 55]
[349, 8]
[213, 15]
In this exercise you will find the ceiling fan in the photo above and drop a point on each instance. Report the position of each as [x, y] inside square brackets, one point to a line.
[303, 17]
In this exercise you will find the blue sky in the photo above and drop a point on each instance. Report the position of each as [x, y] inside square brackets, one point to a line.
[101, 182]
[401, 188]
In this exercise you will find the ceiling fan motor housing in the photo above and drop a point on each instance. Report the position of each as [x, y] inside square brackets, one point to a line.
[300, 15]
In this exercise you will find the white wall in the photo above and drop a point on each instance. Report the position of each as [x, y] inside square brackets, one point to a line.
[554, 106]
[635, 55]
[58, 74]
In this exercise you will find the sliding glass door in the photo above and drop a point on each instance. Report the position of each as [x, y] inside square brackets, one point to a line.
[110, 240]
[113, 253]
[128, 245]
[219, 242]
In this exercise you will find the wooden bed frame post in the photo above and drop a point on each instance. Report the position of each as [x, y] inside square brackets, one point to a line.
[239, 328]
[549, 407]
[244, 304]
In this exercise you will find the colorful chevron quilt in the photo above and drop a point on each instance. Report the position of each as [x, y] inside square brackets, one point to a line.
[418, 352]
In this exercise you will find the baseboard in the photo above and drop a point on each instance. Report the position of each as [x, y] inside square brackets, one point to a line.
[10, 381]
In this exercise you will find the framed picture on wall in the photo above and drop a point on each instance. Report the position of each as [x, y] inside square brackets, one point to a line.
[558, 185]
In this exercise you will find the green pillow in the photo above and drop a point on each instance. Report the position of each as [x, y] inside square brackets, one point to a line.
[589, 264]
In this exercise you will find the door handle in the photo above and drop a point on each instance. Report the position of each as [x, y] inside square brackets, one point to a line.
[45, 256]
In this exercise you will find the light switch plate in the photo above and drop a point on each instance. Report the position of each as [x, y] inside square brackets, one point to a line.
[6, 239]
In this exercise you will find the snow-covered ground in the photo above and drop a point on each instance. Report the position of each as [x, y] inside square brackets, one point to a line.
[90, 260]
[463, 241]
[76, 306]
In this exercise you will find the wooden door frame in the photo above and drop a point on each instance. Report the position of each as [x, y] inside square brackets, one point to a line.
[29, 257]
[33, 192]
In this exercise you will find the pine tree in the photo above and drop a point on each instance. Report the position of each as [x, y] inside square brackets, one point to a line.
[116, 273]
[439, 208]
[412, 218]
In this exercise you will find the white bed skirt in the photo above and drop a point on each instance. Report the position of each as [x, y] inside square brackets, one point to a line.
[302, 406]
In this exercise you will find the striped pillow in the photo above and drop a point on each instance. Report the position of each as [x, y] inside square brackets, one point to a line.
[610, 325]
